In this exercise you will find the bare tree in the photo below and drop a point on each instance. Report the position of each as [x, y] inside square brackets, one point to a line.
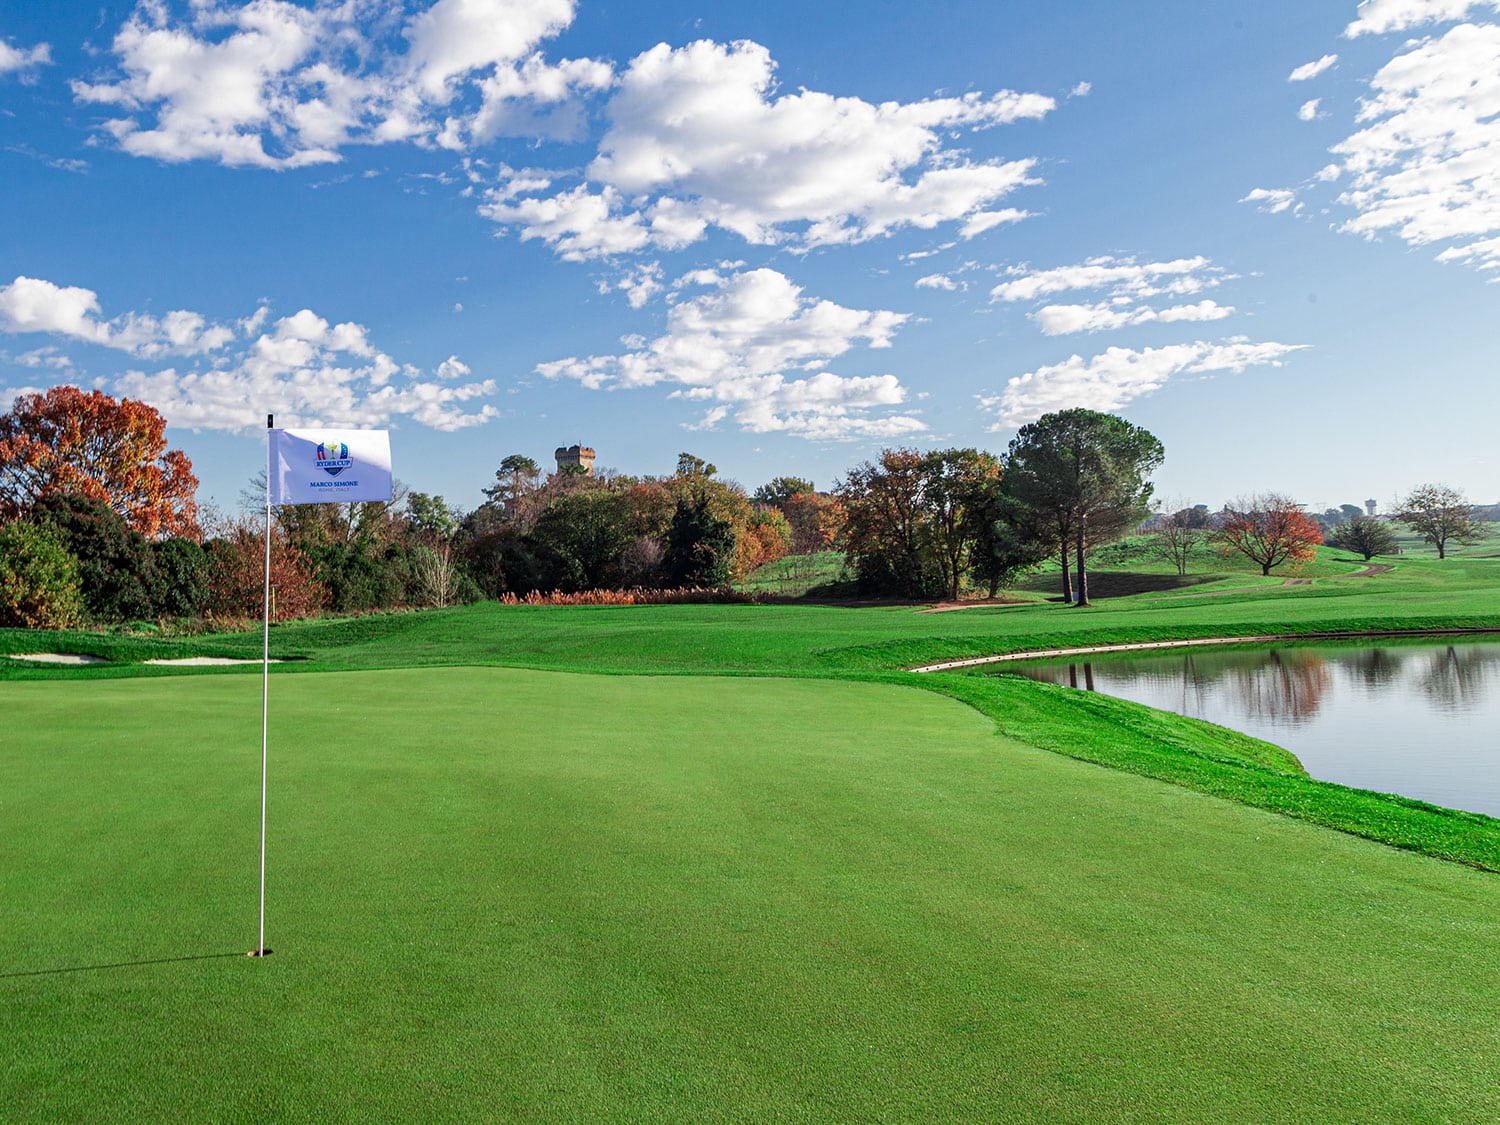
[434, 573]
[1440, 515]
[1179, 534]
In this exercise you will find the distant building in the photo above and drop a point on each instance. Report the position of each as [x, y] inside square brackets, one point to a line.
[580, 455]
[1370, 507]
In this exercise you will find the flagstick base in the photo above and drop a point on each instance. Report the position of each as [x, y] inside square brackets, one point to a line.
[260, 953]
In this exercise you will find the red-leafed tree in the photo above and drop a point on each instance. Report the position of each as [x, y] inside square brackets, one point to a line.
[236, 574]
[85, 443]
[1269, 529]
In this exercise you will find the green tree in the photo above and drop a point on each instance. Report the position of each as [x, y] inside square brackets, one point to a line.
[115, 564]
[39, 583]
[779, 490]
[1365, 536]
[694, 468]
[958, 490]
[360, 575]
[1440, 515]
[430, 519]
[1083, 473]
[584, 533]
[885, 532]
[700, 545]
[182, 571]
[517, 482]
[1007, 544]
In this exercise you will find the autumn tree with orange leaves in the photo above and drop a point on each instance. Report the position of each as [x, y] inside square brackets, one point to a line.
[1268, 529]
[66, 441]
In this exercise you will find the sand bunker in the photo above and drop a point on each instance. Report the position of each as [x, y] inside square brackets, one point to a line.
[57, 658]
[204, 660]
[80, 658]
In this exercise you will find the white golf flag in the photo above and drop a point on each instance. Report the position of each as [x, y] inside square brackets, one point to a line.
[329, 466]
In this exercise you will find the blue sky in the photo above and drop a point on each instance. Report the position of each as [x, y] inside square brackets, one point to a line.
[780, 236]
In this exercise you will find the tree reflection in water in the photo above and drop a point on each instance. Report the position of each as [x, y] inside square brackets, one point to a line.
[1376, 667]
[1410, 717]
[1455, 678]
[1277, 686]
[1287, 688]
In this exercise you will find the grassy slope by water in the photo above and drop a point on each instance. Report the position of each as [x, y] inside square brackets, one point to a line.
[678, 899]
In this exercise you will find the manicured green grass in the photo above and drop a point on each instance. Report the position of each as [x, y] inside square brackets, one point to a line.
[504, 894]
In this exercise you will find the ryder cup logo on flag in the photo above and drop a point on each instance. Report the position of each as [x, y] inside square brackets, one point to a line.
[333, 457]
[329, 466]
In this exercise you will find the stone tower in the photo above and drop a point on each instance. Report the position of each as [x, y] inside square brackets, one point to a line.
[580, 455]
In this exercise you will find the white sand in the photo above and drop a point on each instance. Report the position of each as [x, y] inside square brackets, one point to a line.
[58, 658]
[75, 658]
[201, 660]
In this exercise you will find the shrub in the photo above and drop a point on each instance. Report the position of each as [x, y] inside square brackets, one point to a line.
[39, 583]
[182, 578]
[115, 565]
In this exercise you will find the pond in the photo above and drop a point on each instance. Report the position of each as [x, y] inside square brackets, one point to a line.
[1422, 720]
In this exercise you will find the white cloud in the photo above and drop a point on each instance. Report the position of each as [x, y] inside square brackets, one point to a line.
[578, 224]
[1116, 376]
[738, 348]
[639, 284]
[1082, 90]
[303, 369]
[1273, 201]
[1426, 163]
[1423, 160]
[453, 368]
[1312, 69]
[1380, 16]
[1308, 110]
[281, 85]
[23, 60]
[30, 304]
[937, 281]
[1485, 253]
[48, 356]
[1120, 277]
[456, 37]
[1125, 283]
[1057, 320]
[698, 137]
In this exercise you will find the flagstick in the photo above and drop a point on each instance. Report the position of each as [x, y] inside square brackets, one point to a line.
[260, 949]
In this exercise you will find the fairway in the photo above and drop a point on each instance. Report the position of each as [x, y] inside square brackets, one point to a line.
[497, 893]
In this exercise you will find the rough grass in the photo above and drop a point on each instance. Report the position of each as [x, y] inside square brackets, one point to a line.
[502, 894]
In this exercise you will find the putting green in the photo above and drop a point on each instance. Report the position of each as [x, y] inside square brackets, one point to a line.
[498, 893]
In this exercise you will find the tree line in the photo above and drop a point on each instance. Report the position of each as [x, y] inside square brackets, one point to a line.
[99, 523]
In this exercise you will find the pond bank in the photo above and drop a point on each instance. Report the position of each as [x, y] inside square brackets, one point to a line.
[1141, 646]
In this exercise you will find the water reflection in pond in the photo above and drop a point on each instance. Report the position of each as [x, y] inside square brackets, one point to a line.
[1420, 720]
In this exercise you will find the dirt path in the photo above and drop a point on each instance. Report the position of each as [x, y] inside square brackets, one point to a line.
[987, 603]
